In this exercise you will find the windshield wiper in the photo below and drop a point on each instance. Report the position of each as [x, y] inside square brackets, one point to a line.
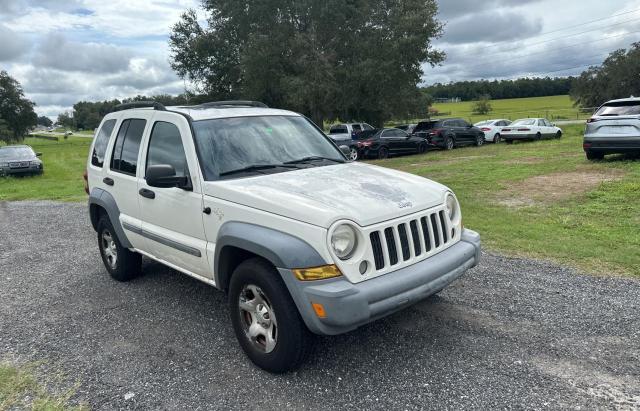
[256, 167]
[312, 158]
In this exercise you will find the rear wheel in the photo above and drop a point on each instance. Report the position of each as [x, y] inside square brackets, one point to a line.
[594, 156]
[538, 136]
[265, 318]
[449, 144]
[122, 264]
[496, 138]
[383, 153]
[422, 147]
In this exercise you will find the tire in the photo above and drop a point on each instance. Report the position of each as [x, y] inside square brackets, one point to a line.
[122, 264]
[449, 143]
[594, 156]
[508, 141]
[559, 134]
[479, 140]
[353, 154]
[383, 153]
[496, 138]
[538, 137]
[422, 147]
[257, 297]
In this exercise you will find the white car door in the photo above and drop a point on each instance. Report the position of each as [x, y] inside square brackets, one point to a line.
[172, 218]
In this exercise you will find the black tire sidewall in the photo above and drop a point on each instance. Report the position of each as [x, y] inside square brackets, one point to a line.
[128, 263]
[381, 151]
[293, 338]
[446, 143]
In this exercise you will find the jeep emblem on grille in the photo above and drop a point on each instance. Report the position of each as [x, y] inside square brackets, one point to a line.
[404, 204]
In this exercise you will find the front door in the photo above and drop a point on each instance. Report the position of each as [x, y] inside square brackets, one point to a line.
[172, 218]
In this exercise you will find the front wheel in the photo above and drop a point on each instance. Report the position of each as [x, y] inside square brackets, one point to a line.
[559, 134]
[479, 140]
[353, 154]
[121, 263]
[383, 153]
[449, 143]
[422, 148]
[265, 318]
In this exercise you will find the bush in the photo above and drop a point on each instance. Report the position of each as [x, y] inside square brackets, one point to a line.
[482, 106]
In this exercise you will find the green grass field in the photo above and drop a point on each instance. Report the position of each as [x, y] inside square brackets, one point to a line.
[541, 199]
[553, 107]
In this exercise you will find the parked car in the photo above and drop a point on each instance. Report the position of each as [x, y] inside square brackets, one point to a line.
[385, 142]
[449, 133]
[492, 129]
[407, 128]
[530, 129]
[347, 130]
[20, 160]
[260, 204]
[614, 128]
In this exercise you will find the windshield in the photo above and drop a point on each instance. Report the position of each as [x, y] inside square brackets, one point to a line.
[338, 130]
[484, 123]
[524, 122]
[620, 109]
[426, 125]
[229, 144]
[8, 153]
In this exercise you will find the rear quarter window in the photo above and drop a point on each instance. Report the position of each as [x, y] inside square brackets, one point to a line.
[101, 143]
[127, 146]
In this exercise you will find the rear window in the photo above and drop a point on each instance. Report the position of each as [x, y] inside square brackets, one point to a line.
[338, 130]
[524, 122]
[102, 140]
[623, 108]
[426, 125]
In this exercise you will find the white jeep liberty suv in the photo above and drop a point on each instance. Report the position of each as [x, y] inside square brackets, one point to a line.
[261, 204]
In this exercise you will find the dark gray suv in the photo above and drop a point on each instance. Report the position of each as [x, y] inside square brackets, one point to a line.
[19, 160]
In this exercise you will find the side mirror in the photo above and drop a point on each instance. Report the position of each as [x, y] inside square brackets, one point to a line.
[345, 150]
[38, 154]
[164, 176]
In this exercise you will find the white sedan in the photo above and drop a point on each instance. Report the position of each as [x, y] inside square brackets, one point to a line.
[492, 129]
[530, 129]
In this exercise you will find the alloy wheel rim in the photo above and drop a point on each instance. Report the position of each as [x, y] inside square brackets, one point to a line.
[353, 154]
[109, 247]
[258, 318]
[449, 144]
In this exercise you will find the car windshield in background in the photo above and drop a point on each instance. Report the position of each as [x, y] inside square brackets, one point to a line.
[366, 134]
[16, 152]
[483, 123]
[235, 145]
[524, 122]
[631, 108]
[338, 130]
[426, 125]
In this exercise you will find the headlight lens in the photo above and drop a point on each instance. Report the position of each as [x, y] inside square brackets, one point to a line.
[452, 207]
[344, 241]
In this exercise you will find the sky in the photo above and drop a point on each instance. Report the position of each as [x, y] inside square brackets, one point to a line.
[64, 51]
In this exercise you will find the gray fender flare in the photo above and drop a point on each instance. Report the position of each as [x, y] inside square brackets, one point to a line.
[281, 249]
[105, 200]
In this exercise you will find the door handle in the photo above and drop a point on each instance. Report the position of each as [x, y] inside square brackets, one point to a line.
[147, 193]
[108, 181]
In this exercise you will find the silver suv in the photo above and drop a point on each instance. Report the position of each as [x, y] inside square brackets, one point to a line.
[614, 128]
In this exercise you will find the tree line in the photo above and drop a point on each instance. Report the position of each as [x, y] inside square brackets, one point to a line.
[17, 113]
[501, 89]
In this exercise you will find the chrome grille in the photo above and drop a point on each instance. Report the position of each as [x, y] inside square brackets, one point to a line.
[411, 239]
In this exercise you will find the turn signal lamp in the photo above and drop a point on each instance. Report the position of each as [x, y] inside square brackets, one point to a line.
[319, 309]
[317, 273]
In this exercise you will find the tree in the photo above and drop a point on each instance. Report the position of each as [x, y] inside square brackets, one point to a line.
[16, 111]
[482, 106]
[65, 119]
[44, 121]
[354, 60]
[617, 77]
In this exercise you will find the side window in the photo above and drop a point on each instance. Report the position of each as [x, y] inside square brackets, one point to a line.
[127, 146]
[447, 124]
[102, 141]
[541, 123]
[366, 126]
[357, 128]
[385, 134]
[165, 147]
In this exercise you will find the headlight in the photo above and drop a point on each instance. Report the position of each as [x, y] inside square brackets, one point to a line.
[344, 241]
[35, 163]
[453, 209]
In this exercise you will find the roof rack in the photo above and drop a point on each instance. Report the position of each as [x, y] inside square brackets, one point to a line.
[140, 104]
[234, 103]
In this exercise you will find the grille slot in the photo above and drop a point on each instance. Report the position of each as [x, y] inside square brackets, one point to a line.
[435, 231]
[445, 232]
[391, 245]
[425, 233]
[376, 245]
[417, 248]
[404, 241]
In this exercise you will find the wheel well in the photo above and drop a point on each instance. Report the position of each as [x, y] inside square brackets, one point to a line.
[95, 213]
[230, 258]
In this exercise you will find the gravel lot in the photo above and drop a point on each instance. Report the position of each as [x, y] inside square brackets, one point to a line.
[513, 333]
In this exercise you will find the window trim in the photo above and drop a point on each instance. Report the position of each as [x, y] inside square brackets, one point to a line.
[115, 143]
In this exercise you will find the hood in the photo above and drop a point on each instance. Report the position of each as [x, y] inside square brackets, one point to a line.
[362, 193]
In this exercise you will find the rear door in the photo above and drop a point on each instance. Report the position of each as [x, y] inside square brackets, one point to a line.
[122, 171]
[392, 140]
[172, 218]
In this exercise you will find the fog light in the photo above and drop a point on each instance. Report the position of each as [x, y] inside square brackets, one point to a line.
[363, 267]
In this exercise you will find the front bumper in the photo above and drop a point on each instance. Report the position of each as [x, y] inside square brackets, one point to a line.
[8, 171]
[349, 306]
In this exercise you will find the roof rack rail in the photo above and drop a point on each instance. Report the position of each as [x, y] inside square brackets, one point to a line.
[140, 104]
[234, 103]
